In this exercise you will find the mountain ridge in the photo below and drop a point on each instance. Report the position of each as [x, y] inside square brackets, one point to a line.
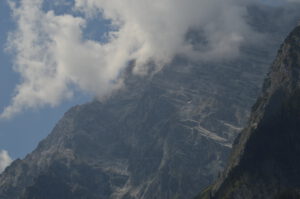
[164, 136]
[264, 161]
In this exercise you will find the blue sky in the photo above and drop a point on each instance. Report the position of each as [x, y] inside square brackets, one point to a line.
[21, 134]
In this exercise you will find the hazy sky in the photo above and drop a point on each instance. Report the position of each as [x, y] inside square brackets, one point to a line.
[58, 53]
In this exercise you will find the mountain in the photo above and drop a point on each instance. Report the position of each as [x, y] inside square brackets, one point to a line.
[164, 136]
[265, 162]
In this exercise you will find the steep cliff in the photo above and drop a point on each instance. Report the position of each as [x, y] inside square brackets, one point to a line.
[265, 162]
[163, 136]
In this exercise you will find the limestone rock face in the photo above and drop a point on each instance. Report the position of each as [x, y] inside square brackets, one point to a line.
[265, 162]
[163, 136]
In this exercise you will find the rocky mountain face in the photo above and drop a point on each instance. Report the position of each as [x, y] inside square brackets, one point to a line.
[163, 136]
[265, 162]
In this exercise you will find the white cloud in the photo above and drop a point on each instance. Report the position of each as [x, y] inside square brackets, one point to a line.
[52, 55]
[5, 160]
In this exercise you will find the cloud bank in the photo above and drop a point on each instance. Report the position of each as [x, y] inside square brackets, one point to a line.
[5, 160]
[53, 56]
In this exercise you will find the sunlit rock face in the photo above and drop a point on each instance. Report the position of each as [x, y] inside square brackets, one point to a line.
[163, 136]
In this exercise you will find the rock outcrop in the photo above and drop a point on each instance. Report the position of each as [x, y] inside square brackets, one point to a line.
[265, 162]
[165, 136]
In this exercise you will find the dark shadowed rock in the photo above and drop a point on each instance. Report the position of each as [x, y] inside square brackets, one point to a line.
[265, 162]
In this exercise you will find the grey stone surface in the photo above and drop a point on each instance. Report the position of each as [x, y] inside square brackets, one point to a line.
[162, 136]
[265, 161]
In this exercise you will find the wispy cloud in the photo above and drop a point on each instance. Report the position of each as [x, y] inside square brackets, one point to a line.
[5, 160]
[52, 55]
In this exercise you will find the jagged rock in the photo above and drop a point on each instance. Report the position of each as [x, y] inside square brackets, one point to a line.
[164, 136]
[265, 162]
